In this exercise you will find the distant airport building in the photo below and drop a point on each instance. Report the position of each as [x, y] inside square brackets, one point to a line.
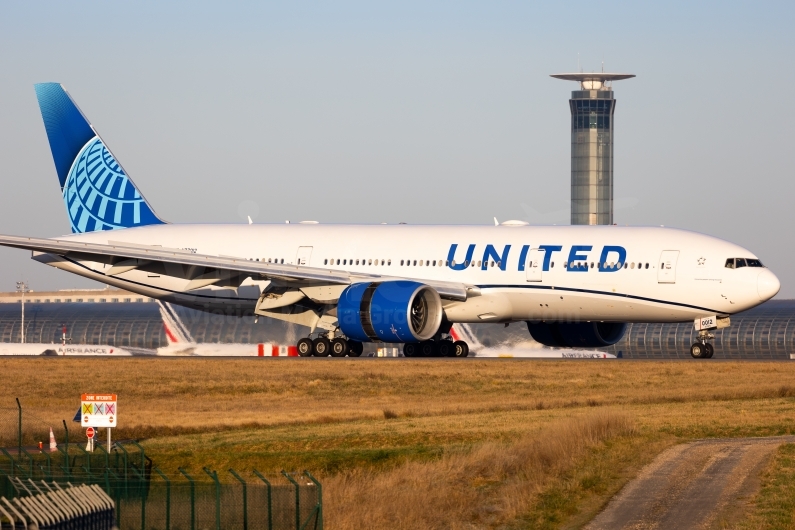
[124, 319]
[592, 109]
[69, 296]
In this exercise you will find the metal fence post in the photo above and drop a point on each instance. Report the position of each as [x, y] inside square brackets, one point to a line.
[19, 430]
[213, 475]
[168, 497]
[270, 501]
[107, 456]
[125, 456]
[66, 453]
[143, 456]
[192, 498]
[245, 498]
[297, 500]
[319, 506]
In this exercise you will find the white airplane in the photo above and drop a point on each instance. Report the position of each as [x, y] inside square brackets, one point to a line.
[61, 350]
[575, 286]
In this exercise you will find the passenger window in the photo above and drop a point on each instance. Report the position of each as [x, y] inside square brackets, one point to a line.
[647, 265]
[739, 262]
[730, 263]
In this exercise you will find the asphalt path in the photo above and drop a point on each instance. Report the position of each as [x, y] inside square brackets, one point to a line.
[691, 486]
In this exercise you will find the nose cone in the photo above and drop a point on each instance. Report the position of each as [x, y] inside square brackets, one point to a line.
[767, 285]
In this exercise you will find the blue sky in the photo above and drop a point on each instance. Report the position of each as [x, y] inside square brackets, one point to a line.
[422, 112]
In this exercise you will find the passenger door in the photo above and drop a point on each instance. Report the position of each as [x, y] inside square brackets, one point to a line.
[666, 272]
[535, 264]
[304, 253]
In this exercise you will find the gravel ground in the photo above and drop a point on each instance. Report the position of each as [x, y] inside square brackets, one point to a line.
[696, 485]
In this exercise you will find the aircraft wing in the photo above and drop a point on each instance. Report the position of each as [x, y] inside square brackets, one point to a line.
[125, 256]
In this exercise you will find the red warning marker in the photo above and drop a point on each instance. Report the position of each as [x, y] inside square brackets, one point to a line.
[90, 432]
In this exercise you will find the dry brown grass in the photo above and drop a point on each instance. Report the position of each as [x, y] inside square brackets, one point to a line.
[489, 485]
[459, 441]
[175, 396]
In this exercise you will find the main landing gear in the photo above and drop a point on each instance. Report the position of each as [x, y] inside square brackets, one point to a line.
[701, 349]
[436, 348]
[323, 347]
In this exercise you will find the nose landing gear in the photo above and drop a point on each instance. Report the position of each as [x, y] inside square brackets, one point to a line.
[701, 349]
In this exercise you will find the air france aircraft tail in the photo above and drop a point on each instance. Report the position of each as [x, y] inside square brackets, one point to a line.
[96, 190]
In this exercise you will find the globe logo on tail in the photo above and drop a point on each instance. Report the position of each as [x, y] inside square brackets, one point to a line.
[99, 195]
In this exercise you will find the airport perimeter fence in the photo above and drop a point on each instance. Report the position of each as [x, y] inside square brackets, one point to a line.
[21, 427]
[144, 496]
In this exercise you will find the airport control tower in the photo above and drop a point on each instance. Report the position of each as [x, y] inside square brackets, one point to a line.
[592, 109]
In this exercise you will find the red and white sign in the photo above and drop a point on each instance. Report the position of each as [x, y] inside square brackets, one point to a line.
[90, 432]
[98, 410]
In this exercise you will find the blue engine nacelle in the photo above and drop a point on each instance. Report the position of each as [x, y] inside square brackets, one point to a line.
[577, 335]
[398, 311]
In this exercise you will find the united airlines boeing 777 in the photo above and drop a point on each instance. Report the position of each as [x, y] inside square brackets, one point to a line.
[574, 286]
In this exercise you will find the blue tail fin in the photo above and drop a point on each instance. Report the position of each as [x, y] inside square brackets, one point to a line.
[98, 193]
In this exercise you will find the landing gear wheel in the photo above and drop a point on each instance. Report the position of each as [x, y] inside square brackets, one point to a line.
[322, 347]
[355, 349]
[708, 351]
[445, 348]
[460, 349]
[305, 347]
[697, 350]
[339, 347]
[428, 349]
[411, 349]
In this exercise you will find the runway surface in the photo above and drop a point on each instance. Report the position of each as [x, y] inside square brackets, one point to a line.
[690, 486]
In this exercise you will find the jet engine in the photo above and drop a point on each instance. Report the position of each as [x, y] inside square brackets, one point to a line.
[394, 311]
[577, 335]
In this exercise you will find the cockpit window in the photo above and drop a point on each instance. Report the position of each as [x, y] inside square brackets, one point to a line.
[736, 263]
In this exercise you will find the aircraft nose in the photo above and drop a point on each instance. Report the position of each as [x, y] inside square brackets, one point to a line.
[767, 285]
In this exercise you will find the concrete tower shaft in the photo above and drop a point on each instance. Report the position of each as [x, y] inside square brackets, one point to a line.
[592, 109]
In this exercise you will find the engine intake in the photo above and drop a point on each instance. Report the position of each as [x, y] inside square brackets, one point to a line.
[579, 335]
[398, 311]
